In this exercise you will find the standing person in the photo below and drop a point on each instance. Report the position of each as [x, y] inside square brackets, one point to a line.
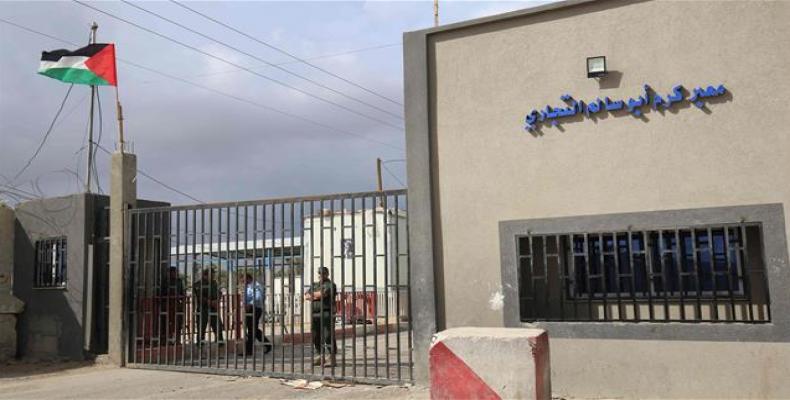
[172, 292]
[254, 294]
[206, 293]
[322, 294]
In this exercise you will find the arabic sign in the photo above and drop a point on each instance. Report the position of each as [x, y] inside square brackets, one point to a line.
[550, 115]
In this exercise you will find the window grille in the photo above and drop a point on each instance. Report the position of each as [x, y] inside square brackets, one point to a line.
[50, 266]
[711, 273]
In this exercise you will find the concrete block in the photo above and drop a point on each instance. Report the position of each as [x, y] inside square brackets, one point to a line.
[46, 325]
[7, 221]
[7, 337]
[42, 347]
[490, 363]
[43, 337]
[10, 304]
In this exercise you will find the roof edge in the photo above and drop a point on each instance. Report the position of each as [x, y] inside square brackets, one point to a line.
[501, 17]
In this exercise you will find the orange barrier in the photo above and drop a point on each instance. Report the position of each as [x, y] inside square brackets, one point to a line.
[356, 307]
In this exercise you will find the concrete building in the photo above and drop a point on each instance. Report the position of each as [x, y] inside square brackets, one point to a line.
[639, 216]
[10, 305]
[61, 270]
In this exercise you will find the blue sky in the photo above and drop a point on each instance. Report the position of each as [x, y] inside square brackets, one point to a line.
[219, 146]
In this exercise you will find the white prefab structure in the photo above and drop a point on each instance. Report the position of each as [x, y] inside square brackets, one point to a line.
[364, 250]
[270, 252]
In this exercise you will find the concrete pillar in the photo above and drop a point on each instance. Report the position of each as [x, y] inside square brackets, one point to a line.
[425, 249]
[10, 306]
[123, 196]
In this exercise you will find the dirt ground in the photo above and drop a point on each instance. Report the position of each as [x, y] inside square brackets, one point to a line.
[95, 381]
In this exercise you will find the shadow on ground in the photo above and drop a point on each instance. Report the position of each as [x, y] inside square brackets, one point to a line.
[27, 368]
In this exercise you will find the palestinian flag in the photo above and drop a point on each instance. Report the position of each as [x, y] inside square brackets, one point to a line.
[91, 65]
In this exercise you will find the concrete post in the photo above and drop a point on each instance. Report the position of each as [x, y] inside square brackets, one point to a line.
[123, 196]
[490, 363]
[426, 283]
[10, 306]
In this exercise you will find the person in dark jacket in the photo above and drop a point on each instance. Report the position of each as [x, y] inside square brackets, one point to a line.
[206, 295]
[322, 295]
[173, 298]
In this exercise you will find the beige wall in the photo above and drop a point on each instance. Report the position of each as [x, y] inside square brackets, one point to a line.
[484, 80]
[657, 369]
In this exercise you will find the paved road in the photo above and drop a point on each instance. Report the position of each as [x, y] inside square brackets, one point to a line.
[83, 381]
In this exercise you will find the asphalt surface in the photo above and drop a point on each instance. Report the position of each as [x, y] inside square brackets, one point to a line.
[92, 381]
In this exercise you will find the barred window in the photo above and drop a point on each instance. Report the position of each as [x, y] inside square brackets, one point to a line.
[712, 273]
[50, 267]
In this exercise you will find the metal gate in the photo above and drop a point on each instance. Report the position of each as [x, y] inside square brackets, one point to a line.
[235, 288]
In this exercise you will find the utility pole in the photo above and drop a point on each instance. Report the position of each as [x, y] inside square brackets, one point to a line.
[380, 186]
[119, 111]
[435, 12]
[92, 40]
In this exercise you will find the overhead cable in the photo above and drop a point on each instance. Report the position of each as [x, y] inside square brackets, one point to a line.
[226, 61]
[219, 92]
[359, 50]
[46, 135]
[301, 60]
[17, 191]
[236, 49]
[393, 175]
[263, 106]
[165, 185]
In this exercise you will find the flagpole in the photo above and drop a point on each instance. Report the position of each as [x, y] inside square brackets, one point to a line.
[92, 40]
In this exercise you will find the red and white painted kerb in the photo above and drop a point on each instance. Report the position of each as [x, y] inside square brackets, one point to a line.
[490, 363]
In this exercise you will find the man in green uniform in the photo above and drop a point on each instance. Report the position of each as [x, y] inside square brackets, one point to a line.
[206, 295]
[322, 294]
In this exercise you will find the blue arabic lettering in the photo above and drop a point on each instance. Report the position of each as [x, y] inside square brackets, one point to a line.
[594, 107]
[658, 101]
[701, 93]
[634, 105]
[676, 96]
[696, 95]
[573, 107]
[613, 105]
